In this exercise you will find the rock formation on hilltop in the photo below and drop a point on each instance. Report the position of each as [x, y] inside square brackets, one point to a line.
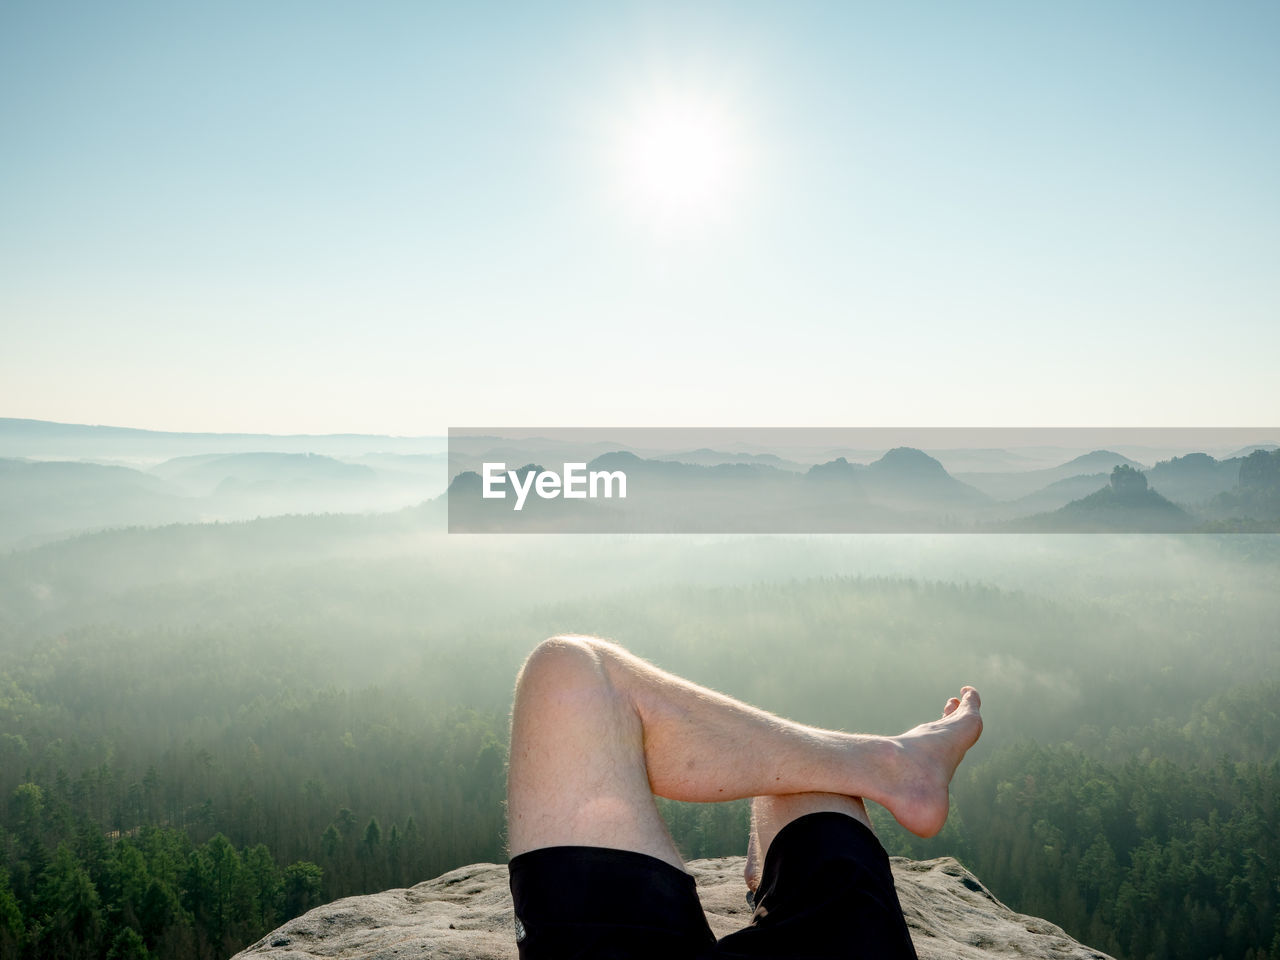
[466, 915]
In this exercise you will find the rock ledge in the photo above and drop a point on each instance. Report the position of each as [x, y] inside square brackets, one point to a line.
[466, 915]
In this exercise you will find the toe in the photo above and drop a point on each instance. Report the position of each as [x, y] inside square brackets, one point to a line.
[950, 707]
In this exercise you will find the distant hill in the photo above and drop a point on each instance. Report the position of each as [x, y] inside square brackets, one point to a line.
[1264, 447]
[1015, 485]
[1254, 504]
[838, 470]
[44, 440]
[911, 479]
[1126, 505]
[208, 473]
[1195, 477]
[44, 499]
[1190, 479]
[1097, 460]
[1057, 494]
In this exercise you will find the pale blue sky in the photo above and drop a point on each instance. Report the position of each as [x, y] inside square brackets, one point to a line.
[394, 217]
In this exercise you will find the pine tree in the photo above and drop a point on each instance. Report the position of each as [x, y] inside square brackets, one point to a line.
[128, 945]
[302, 881]
[11, 925]
[73, 906]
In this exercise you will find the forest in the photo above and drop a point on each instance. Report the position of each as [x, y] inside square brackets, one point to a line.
[206, 730]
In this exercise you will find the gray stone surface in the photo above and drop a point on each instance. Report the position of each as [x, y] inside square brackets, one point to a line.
[466, 915]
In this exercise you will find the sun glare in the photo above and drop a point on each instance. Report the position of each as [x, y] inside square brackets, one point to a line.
[680, 161]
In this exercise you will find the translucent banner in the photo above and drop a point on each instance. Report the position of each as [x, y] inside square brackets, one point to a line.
[855, 480]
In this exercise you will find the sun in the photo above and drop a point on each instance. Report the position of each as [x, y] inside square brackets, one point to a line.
[680, 161]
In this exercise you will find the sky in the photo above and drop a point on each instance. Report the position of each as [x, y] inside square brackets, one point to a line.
[395, 217]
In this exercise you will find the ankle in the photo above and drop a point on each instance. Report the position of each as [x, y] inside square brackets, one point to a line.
[875, 765]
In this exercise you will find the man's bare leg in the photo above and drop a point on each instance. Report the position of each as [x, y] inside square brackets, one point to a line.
[771, 814]
[597, 731]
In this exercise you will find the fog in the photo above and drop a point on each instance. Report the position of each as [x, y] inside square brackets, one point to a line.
[293, 681]
[1054, 628]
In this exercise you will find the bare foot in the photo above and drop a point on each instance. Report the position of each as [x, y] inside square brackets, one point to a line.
[925, 758]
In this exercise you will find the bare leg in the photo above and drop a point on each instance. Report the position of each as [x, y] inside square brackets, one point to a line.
[596, 731]
[771, 814]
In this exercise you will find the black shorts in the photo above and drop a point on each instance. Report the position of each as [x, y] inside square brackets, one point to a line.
[826, 892]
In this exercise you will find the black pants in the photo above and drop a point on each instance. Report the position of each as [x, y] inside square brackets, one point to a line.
[826, 892]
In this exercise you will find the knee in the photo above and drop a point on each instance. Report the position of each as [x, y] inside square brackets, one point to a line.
[561, 662]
